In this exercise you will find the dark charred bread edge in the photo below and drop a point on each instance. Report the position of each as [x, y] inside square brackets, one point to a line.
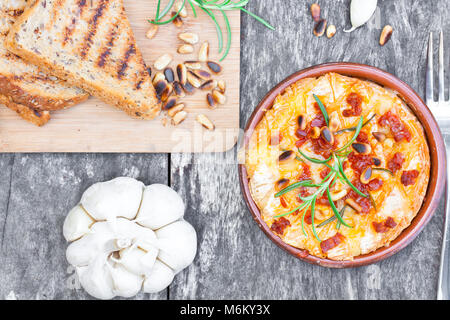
[109, 97]
[36, 102]
[38, 118]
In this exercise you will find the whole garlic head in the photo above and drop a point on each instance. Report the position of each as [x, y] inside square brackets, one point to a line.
[125, 236]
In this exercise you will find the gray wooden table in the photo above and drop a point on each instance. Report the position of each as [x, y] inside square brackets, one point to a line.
[235, 260]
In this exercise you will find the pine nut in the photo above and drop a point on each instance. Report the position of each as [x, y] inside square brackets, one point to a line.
[205, 122]
[163, 61]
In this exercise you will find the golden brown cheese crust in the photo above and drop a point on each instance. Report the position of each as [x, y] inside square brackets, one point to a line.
[396, 202]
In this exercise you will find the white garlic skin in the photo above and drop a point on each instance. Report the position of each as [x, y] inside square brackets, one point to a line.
[160, 206]
[77, 224]
[160, 278]
[360, 12]
[138, 240]
[120, 197]
[177, 244]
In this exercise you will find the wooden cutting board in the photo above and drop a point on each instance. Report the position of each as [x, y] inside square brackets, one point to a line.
[94, 126]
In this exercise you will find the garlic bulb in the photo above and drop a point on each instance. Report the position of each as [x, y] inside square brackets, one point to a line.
[360, 12]
[125, 236]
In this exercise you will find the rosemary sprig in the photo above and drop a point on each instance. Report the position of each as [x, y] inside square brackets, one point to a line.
[348, 144]
[208, 7]
[336, 172]
[293, 186]
[313, 159]
[322, 108]
[354, 128]
[165, 11]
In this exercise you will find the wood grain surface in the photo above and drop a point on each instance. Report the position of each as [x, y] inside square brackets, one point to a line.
[235, 259]
[94, 126]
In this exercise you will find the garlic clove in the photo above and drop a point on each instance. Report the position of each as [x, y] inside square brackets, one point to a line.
[178, 245]
[96, 279]
[137, 261]
[77, 224]
[360, 12]
[120, 197]
[125, 283]
[83, 251]
[160, 206]
[161, 277]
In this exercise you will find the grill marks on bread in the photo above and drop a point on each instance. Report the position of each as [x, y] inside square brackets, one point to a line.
[124, 64]
[96, 50]
[93, 27]
[106, 52]
[96, 23]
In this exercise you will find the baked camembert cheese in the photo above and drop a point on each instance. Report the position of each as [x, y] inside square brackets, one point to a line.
[338, 166]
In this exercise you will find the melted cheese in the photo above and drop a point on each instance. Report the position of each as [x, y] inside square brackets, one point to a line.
[392, 200]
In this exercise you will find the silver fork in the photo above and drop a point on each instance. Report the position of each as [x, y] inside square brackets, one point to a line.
[441, 111]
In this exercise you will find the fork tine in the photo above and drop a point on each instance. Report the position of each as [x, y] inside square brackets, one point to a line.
[441, 68]
[429, 79]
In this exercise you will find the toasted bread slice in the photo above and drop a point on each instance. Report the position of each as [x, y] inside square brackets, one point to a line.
[24, 87]
[36, 117]
[90, 44]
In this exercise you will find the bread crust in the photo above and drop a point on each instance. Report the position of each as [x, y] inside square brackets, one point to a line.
[34, 101]
[38, 118]
[23, 87]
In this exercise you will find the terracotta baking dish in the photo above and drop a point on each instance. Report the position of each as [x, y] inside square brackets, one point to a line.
[435, 142]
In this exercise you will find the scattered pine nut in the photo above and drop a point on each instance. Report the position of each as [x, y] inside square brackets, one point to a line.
[211, 102]
[209, 85]
[185, 49]
[203, 53]
[331, 31]
[178, 21]
[320, 28]
[163, 61]
[219, 97]
[315, 12]
[188, 37]
[205, 122]
[193, 65]
[174, 110]
[179, 117]
[158, 77]
[201, 74]
[182, 73]
[152, 31]
[193, 80]
[178, 90]
[222, 86]
[183, 12]
[214, 67]
[386, 35]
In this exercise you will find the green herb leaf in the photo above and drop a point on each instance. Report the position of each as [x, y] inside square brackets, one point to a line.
[209, 7]
[293, 186]
[331, 219]
[300, 207]
[372, 200]
[193, 8]
[313, 159]
[313, 208]
[354, 128]
[336, 213]
[157, 22]
[322, 108]
[358, 130]
[341, 169]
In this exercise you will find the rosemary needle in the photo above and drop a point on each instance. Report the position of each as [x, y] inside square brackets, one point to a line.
[208, 7]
